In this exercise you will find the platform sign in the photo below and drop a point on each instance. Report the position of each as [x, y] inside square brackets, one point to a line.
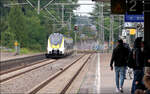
[128, 24]
[134, 7]
[132, 31]
[134, 18]
[146, 6]
[118, 6]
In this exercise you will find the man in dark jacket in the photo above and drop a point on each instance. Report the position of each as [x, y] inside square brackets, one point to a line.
[138, 56]
[147, 59]
[119, 57]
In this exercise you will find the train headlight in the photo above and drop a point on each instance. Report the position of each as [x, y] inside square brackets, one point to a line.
[49, 49]
[62, 50]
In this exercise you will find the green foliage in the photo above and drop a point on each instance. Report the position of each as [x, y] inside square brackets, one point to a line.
[28, 31]
[16, 23]
[27, 51]
[36, 35]
[23, 24]
[3, 26]
[87, 31]
[24, 51]
[7, 38]
[107, 24]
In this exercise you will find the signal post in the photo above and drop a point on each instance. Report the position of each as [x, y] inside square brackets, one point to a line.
[17, 48]
[75, 30]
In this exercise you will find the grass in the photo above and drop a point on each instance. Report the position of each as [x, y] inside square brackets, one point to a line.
[28, 51]
[7, 50]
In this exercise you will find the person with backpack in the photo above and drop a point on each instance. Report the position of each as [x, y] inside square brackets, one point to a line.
[147, 59]
[119, 59]
[129, 50]
[137, 56]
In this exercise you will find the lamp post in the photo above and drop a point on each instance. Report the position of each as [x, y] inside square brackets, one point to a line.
[75, 30]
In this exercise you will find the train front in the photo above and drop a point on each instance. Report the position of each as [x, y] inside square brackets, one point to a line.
[55, 45]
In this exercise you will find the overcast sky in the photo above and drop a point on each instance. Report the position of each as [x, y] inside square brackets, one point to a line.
[85, 8]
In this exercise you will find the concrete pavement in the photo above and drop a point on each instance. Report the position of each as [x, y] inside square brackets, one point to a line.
[108, 77]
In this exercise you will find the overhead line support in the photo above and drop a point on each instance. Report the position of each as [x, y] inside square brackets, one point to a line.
[51, 14]
[47, 4]
[7, 5]
[38, 10]
[30, 4]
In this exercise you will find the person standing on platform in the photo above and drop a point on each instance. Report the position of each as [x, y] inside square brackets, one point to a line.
[147, 59]
[138, 56]
[129, 50]
[119, 59]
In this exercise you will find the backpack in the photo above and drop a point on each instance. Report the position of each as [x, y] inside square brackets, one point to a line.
[131, 61]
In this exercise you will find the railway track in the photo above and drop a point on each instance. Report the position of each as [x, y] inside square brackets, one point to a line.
[25, 79]
[19, 63]
[68, 85]
[24, 69]
[52, 85]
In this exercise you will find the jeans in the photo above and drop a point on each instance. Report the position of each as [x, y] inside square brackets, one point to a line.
[125, 71]
[120, 76]
[138, 74]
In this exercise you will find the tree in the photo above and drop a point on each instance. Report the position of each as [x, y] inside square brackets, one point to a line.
[7, 38]
[16, 24]
[27, 27]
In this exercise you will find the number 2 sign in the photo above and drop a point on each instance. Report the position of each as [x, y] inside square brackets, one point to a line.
[134, 6]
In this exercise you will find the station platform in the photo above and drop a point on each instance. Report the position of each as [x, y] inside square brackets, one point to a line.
[108, 77]
[99, 79]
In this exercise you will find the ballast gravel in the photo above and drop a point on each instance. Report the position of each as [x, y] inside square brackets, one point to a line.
[25, 82]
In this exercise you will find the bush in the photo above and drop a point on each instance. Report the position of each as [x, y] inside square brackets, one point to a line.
[36, 47]
[7, 39]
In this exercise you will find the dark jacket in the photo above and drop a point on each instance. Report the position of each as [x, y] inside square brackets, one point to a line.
[147, 56]
[138, 54]
[139, 59]
[119, 56]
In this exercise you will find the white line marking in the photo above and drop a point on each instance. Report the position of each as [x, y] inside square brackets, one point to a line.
[98, 75]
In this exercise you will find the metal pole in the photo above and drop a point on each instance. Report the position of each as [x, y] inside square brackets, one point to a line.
[99, 22]
[112, 33]
[30, 4]
[62, 14]
[67, 4]
[47, 4]
[54, 28]
[75, 42]
[70, 21]
[14, 4]
[102, 22]
[51, 15]
[120, 27]
[38, 10]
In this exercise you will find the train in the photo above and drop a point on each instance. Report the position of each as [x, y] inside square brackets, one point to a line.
[59, 45]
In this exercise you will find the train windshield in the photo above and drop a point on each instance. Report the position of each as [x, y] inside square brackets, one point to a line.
[56, 38]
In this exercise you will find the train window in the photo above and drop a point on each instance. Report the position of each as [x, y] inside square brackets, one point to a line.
[56, 38]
